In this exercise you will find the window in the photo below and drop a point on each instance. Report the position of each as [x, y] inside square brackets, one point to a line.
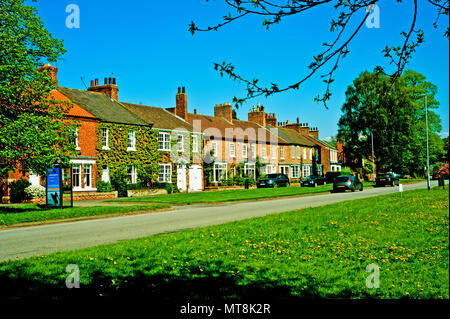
[220, 172]
[87, 175]
[298, 152]
[180, 146]
[306, 171]
[274, 152]
[244, 150]
[105, 138]
[165, 173]
[76, 176]
[253, 150]
[164, 141]
[310, 154]
[295, 171]
[131, 141]
[131, 174]
[264, 151]
[194, 143]
[293, 151]
[282, 152]
[232, 150]
[249, 170]
[77, 147]
[214, 148]
[304, 153]
[105, 173]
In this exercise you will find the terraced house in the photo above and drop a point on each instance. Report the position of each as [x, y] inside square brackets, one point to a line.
[181, 147]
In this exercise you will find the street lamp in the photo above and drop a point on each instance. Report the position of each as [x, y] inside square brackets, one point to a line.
[373, 158]
[428, 155]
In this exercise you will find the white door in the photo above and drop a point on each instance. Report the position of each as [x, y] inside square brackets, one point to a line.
[195, 178]
[181, 180]
[34, 179]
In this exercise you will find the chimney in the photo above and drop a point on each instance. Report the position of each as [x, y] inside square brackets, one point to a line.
[258, 115]
[195, 111]
[271, 119]
[109, 88]
[224, 110]
[52, 71]
[314, 131]
[181, 103]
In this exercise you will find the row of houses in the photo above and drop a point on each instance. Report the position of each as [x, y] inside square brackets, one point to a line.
[140, 143]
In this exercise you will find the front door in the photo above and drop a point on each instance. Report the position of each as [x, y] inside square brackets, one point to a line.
[284, 170]
[195, 178]
[181, 179]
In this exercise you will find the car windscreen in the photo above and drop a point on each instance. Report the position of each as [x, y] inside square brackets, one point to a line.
[341, 179]
[271, 176]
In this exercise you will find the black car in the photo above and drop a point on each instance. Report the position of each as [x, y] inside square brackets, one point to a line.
[344, 182]
[273, 180]
[314, 181]
[387, 179]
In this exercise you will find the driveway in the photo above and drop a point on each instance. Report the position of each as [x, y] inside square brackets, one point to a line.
[39, 240]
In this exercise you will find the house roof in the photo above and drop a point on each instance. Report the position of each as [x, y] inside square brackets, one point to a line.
[100, 105]
[318, 140]
[219, 127]
[292, 136]
[159, 117]
[75, 110]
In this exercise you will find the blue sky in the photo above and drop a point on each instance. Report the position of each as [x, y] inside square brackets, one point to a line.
[147, 47]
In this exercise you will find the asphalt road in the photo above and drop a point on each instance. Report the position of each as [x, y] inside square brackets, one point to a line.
[45, 239]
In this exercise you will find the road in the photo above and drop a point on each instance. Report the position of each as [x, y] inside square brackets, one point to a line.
[45, 239]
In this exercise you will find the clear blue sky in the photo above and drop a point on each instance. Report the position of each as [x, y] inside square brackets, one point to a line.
[147, 47]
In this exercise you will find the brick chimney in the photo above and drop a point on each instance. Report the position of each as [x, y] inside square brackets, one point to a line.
[314, 131]
[181, 99]
[294, 126]
[257, 115]
[224, 110]
[109, 88]
[271, 119]
[53, 71]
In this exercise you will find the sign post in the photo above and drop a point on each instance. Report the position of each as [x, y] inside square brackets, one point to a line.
[400, 189]
[54, 193]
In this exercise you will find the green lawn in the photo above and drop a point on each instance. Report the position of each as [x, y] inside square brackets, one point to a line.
[26, 213]
[317, 252]
[236, 195]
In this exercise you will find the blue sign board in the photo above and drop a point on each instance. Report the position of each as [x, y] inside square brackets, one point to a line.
[54, 191]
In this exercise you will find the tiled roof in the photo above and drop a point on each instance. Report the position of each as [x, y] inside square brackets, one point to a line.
[318, 140]
[292, 136]
[159, 117]
[100, 105]
[76, 110]
[212, 126]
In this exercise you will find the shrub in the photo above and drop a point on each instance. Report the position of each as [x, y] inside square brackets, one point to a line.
[168, 187]
[104, 187]
[17, 191]
[35, 191]
[135, 186]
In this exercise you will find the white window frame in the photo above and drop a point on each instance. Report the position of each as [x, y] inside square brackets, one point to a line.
[244, 150]
[293, 151]
[77, 147]
[76, 171]
[253, 150]
[166, 173]
[310, 154]
[298, 152]
[264, 151]
[105, 173]
[295, 171]
[132, 140]
[274, 152]
[221, 169]
[164, 139]
[304, 153]
[195, 143]
[250, 170]
[105, 138]
[180, 147]
[232, 150]
[87, 172]
[282, 152]
[133, 174]
[214, 148]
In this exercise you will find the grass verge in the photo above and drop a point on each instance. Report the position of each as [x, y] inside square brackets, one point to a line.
[29, 213]
[318, 252]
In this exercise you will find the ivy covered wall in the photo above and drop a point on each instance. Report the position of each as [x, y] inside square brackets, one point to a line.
[146, 157]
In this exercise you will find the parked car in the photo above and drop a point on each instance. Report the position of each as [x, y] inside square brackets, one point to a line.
[387, 179]
[314, 181]
[345, 182]
[273, 180]
[331, 176]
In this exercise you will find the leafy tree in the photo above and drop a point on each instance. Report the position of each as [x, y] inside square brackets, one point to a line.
[34, 130]
[348, 15]
[395, 114]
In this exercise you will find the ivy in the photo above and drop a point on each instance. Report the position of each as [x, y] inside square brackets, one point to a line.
[145, 158]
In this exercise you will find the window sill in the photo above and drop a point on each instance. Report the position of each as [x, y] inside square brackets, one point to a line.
[131, 149]
[106, 148]
[79, 189]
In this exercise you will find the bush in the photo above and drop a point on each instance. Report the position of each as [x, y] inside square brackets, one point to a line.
[135, 186]
[120, 186]
[17, 191]
[104, 187]
[35, 191]
[167, 186]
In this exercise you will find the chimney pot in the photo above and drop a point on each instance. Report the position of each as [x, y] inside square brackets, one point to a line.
[114, 81]
[298, 120]
[92, 83]
[195, 111]
[183, 90]
[96, 82]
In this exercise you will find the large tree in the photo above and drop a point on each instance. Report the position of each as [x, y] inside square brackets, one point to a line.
[351, 16]
[395, 114]
[34, 129]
